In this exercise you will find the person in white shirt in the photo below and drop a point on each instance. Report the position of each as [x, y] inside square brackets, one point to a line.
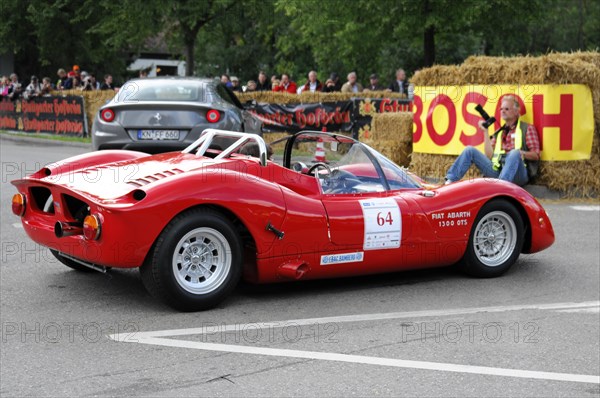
[400, 85]
[34, 89]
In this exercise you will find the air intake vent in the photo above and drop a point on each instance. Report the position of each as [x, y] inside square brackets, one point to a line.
[140, 182]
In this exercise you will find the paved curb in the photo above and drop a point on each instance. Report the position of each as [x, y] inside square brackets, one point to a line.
[41, 140]
[542, 192]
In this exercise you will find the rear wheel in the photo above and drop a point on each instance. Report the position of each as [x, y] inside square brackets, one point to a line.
[196, 261]
[495, 241]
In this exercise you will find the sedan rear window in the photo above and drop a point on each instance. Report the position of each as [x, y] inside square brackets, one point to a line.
[161, 91]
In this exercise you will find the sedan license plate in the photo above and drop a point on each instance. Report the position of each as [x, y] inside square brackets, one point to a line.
[158, 134]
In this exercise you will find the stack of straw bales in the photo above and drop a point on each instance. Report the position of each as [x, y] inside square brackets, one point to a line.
[391, 134]
[573, 178]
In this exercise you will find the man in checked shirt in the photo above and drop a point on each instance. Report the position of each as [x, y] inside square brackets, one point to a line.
[515, 157]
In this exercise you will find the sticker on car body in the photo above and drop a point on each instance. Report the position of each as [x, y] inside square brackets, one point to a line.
[342, 258]
[383, 224]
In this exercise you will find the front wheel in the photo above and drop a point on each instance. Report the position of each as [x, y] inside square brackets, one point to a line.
[495, 241]
[196, 261]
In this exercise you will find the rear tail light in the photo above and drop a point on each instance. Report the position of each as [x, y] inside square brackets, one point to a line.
[91, 227]
[108, 115]
[213, 116]
[18, 204]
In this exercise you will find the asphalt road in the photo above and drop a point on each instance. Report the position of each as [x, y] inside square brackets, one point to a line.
[532, 332]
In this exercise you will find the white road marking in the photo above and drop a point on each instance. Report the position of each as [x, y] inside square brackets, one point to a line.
[377, 317]
[590, 310]
[18, 225]
[586, 208]
[158, 338]
[398, 363]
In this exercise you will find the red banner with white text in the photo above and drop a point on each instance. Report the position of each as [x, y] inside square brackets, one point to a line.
[54, 115]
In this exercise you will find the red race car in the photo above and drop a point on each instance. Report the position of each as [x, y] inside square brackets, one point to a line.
[197, 221]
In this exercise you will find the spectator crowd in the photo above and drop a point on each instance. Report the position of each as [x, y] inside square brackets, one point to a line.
[313, 84]
[76, 79]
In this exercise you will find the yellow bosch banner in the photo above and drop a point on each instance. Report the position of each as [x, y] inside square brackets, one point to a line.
[445, 119]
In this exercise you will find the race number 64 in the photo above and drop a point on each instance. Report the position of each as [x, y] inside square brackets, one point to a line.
[383, 218]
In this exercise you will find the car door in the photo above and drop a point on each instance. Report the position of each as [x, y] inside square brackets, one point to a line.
[365, 215]
[369, 221]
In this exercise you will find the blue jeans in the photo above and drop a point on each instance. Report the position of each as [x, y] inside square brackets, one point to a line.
[514, 169]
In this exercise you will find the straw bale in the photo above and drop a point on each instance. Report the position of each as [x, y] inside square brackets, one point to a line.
[397, 126]
[311, 98]
[574, 179]
[553, 68]
[437, 75]
[391, 134]
[397, 152]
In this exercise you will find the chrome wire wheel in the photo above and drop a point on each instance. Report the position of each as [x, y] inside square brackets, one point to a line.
[196, 261]
[495, 238]
[202, 260]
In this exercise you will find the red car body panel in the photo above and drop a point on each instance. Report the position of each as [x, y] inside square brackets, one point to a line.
[136, 196]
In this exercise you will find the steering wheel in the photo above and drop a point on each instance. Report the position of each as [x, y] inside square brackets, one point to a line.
[342, 181]
[318, 165]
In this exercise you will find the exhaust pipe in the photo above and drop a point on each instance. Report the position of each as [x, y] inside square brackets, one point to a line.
[62, 229]
[294, 270]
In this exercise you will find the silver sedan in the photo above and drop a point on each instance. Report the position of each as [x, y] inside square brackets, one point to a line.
[167, 114]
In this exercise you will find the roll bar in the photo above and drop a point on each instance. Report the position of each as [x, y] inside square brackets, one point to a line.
[208, 135]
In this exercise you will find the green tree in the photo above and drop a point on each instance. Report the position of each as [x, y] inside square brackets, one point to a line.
[294, 36]
[242, 43]
[130, 23]
[45, 36]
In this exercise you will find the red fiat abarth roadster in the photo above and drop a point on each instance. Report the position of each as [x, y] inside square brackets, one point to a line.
[314, 205]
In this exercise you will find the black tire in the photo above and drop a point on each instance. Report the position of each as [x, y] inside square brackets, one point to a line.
[495, 241]
[70, 263]
[196, 261]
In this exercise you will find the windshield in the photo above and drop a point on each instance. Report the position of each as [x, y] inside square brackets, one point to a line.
[343, 165]
[397, 177]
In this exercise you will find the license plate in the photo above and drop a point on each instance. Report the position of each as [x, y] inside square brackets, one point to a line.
[158, 134]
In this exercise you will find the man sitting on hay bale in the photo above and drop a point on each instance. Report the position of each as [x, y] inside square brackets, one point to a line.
[511, 154]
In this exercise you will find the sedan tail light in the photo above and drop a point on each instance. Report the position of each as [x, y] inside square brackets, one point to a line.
[213, 116]
[108, 115]
[18, 204]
